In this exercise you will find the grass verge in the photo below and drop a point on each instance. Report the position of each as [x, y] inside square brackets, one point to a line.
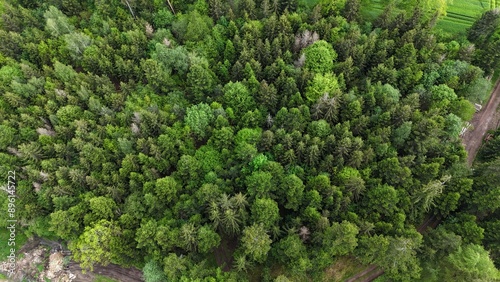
[100, 278]
[4, 239]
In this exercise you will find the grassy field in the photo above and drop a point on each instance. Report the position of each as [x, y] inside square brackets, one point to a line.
[372, 10]
[459, 16]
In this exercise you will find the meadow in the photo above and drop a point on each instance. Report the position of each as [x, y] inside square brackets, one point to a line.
[460, 14]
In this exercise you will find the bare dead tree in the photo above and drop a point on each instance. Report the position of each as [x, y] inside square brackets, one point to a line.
[130, 8]
[171, 7]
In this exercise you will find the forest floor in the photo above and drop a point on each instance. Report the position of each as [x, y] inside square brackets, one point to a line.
[113, 271]
[41, 259]
[484, 120]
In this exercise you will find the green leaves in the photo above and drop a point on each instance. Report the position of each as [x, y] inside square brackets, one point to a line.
[471, 263]
[237, 97]
[167, 189]
[340, 238]
[256, 243]
[103, 207]
[200, 78]
[292, 189]
[63, 224]
[266, 212]
[323, 85]
[173, 60]
[292, 252]
[56, 22]
[259, 184]
[320, 57]
[207, 239]
[442, 96]
[199, 118]
[98, 244]
[163, 136]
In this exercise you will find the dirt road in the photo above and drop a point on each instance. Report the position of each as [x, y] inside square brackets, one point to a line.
[483, 121]
[114, 271]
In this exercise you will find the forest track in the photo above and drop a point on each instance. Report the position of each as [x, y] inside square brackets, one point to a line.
[116, 272]
[363, 273]
[430, 221]
[484, 120]
[487, 118]
[119, 273]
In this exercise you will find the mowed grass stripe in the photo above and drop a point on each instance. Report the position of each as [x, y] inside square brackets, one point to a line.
[472, 9]
[452, 27]
[457, 19]
[460, 12]
[462, 16]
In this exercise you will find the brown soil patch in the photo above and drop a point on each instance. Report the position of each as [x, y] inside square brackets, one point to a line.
[48, 259]
[343, 266]
[113, 271]
[483, 121]
[224, 253]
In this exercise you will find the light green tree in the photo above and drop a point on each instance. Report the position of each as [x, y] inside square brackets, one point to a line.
[98, 244]
[56, 22]
[63, 224]
[470, 263]
[167, 189]
[266, 212]
[256, 242]
[207, 239]
[320, 57]
[323, 85]
[199, 118]
[103, 207]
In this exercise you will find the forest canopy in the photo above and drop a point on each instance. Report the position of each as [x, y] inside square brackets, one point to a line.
[215, 140]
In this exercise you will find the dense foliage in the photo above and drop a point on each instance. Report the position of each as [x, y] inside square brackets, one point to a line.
[260, 137]
[465, 247]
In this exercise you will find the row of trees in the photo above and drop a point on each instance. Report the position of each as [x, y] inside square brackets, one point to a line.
[205, 136]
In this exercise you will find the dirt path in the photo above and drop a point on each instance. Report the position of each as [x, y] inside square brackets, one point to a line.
[367, 270]
[114, 271]
[483, 121]
[72, 269]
